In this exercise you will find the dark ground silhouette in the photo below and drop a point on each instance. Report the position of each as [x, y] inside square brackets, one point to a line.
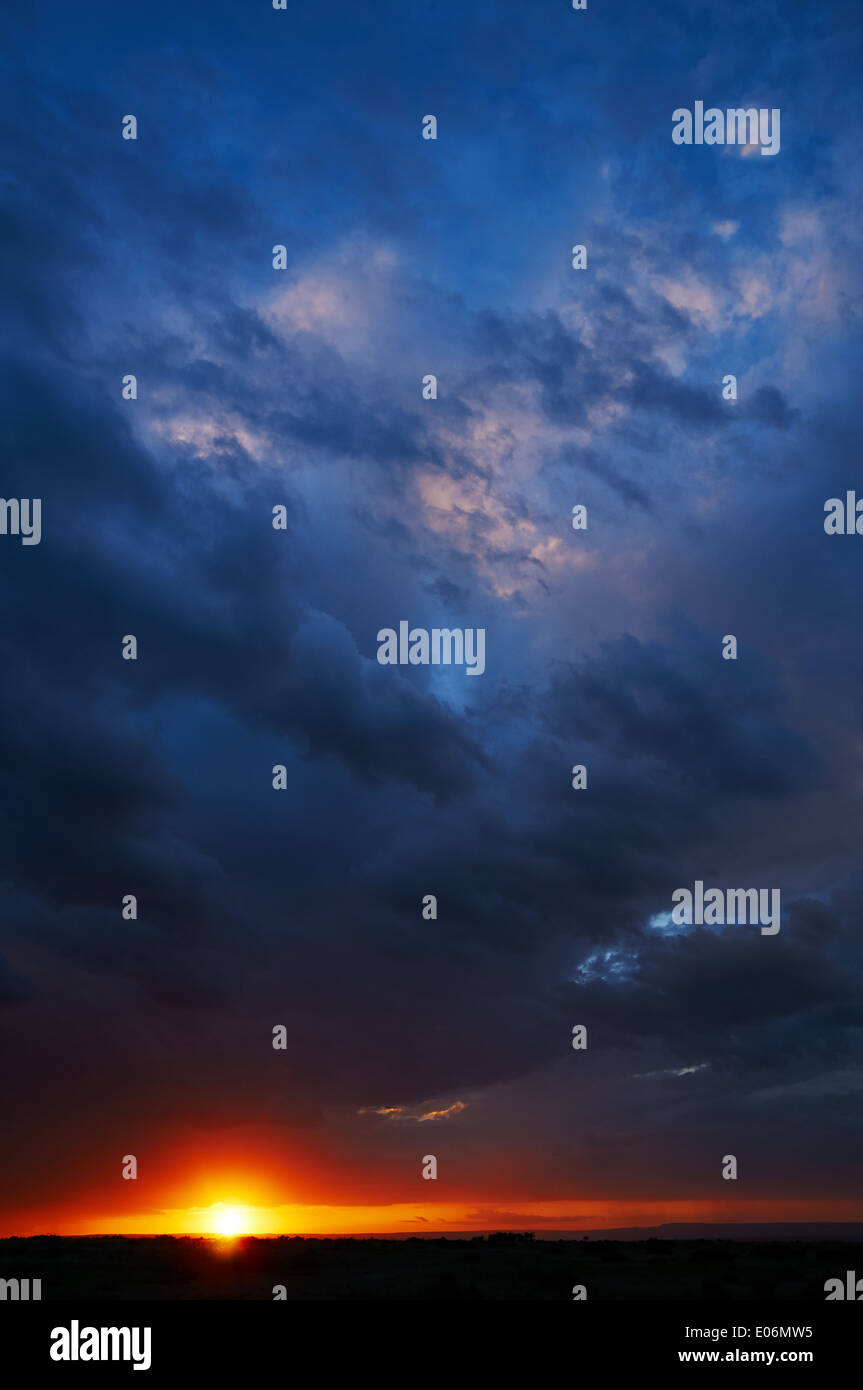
[498, 1266]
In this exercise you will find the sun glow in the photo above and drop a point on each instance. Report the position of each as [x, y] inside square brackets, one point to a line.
[230, 1221]
[224, 1223]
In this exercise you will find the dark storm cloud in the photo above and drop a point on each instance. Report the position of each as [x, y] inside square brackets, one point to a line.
[205, 591]
[677, 753]
[721, 729]
[743, 991]
[627, 490]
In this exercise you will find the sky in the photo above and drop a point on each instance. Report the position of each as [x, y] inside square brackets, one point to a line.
[302, 388]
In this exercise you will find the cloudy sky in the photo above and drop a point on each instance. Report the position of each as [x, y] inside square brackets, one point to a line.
[301, 388]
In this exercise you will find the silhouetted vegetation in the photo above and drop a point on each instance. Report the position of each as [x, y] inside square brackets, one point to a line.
[505, 1265]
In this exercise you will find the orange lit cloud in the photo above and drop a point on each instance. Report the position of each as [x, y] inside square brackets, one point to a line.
[399, 1112]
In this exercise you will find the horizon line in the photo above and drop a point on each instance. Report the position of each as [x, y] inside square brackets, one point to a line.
[562, 1232]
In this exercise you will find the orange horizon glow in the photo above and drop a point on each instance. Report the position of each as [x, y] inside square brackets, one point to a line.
[231, 1219]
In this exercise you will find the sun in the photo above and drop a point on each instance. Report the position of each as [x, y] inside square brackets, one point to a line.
[230, 1221]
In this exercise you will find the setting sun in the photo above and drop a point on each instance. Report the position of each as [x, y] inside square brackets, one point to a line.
[230, 1221]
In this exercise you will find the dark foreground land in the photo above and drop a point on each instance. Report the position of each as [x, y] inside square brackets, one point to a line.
[483, 1267]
